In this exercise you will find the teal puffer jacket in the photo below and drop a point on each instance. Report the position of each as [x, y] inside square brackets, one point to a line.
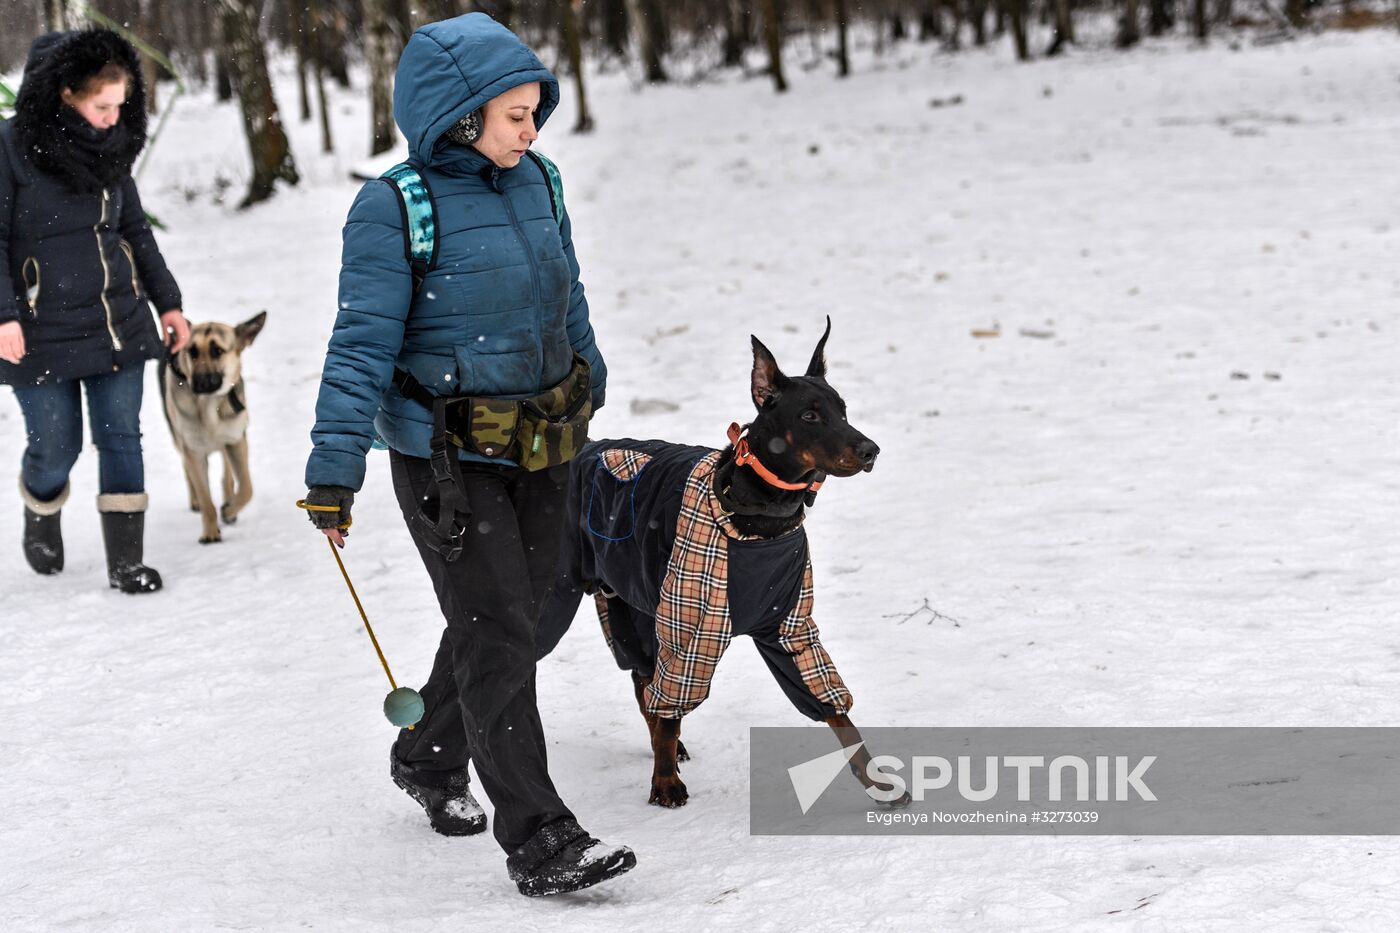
[503, 311]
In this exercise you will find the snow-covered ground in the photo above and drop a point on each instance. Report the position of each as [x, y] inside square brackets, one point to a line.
[1091, 519]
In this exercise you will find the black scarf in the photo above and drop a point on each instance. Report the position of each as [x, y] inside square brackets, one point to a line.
[88, 158]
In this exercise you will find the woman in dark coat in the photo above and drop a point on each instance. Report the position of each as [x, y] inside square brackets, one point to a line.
[79, 270]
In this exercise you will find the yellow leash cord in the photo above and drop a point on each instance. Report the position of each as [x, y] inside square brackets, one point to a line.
[335, 552]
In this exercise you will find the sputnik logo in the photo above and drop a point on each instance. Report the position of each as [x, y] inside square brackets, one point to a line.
[811, 778]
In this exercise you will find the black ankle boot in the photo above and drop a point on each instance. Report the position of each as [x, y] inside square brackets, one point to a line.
[122, 533]
[43, 536]
[562, 857]
[445, 797]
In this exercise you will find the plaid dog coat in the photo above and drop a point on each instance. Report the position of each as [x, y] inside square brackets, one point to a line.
[675, 580]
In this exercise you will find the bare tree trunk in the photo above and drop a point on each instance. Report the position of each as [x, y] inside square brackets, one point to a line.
[204, 40]
[615, 27]
[297, 20]
[332, 38]
[977, 9]
[381, 52]
[1200, 20]
[738, 29]
[318, 71]
[1161, 16]
[897, 31]
[267, 142]
[1224, 12]
[646, 20]
[62, 15]
[1129, 28]
[223, 81]
[1064, 27]
[1297, 12]
[573, 44]
[843, 49]
[930, 21]
[1015, 11]
[953, 40]
[773, 38]
[149, 26]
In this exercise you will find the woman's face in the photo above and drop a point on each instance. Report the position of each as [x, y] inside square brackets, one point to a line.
[101, 109]
[508, 125]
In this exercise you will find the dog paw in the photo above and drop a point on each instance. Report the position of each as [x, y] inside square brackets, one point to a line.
[215, 538]
[228, 517]
[681, 753]
[668, 792]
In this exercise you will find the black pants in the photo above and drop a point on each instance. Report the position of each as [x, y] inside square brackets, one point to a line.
[480, 697]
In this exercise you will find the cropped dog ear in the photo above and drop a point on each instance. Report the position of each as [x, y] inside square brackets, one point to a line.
[249, 330]
[817, 367]
[767, 382]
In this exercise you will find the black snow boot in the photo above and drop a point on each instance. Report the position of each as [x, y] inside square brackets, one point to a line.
[123, 530]
[562, 857]
[444, 796]
[43, 536]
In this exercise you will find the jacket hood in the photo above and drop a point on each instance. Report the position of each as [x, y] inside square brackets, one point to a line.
[66, 59]
[450, 68]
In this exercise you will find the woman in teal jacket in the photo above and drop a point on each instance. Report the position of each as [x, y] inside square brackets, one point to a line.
[501, 314]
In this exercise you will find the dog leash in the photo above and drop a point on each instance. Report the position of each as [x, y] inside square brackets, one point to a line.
[401, 700]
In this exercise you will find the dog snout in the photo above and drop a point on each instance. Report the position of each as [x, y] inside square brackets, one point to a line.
[204, 383]
[867, 450]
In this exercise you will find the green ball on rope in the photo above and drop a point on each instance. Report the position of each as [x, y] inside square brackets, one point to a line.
[403, 707]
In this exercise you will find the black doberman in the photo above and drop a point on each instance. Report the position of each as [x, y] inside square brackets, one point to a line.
[634, 511]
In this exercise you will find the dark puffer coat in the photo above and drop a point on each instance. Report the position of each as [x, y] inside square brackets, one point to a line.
[79, 266]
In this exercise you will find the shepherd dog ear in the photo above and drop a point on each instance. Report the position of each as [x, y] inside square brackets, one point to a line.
[817, 368]
[767, 381]
[248, 331]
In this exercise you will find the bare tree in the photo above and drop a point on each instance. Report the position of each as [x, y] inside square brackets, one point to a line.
[615, 27]
[1161, 16]
[568, 21]
[773, 38]
[843, 49]
[1015, 12]
[247, 63]
[60, 15]
[318, 71]
[151, 26]
[1129, 27]
[738, 30]
[297, 22]
[381, 51]
[977, 12]
[1064, 28]
[651, 36]
[1200, 21]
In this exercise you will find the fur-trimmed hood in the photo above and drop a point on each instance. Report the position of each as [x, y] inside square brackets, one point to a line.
[49, 138]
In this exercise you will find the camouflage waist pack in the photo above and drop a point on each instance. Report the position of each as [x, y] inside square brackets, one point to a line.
[542, 431]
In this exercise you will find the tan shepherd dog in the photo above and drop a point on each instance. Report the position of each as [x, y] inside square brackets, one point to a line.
[207, 410]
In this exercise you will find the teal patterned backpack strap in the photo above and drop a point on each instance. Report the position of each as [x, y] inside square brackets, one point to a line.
[556, 184]
[419, 216]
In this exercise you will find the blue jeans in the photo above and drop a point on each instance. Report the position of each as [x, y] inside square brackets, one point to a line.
[53, 421]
